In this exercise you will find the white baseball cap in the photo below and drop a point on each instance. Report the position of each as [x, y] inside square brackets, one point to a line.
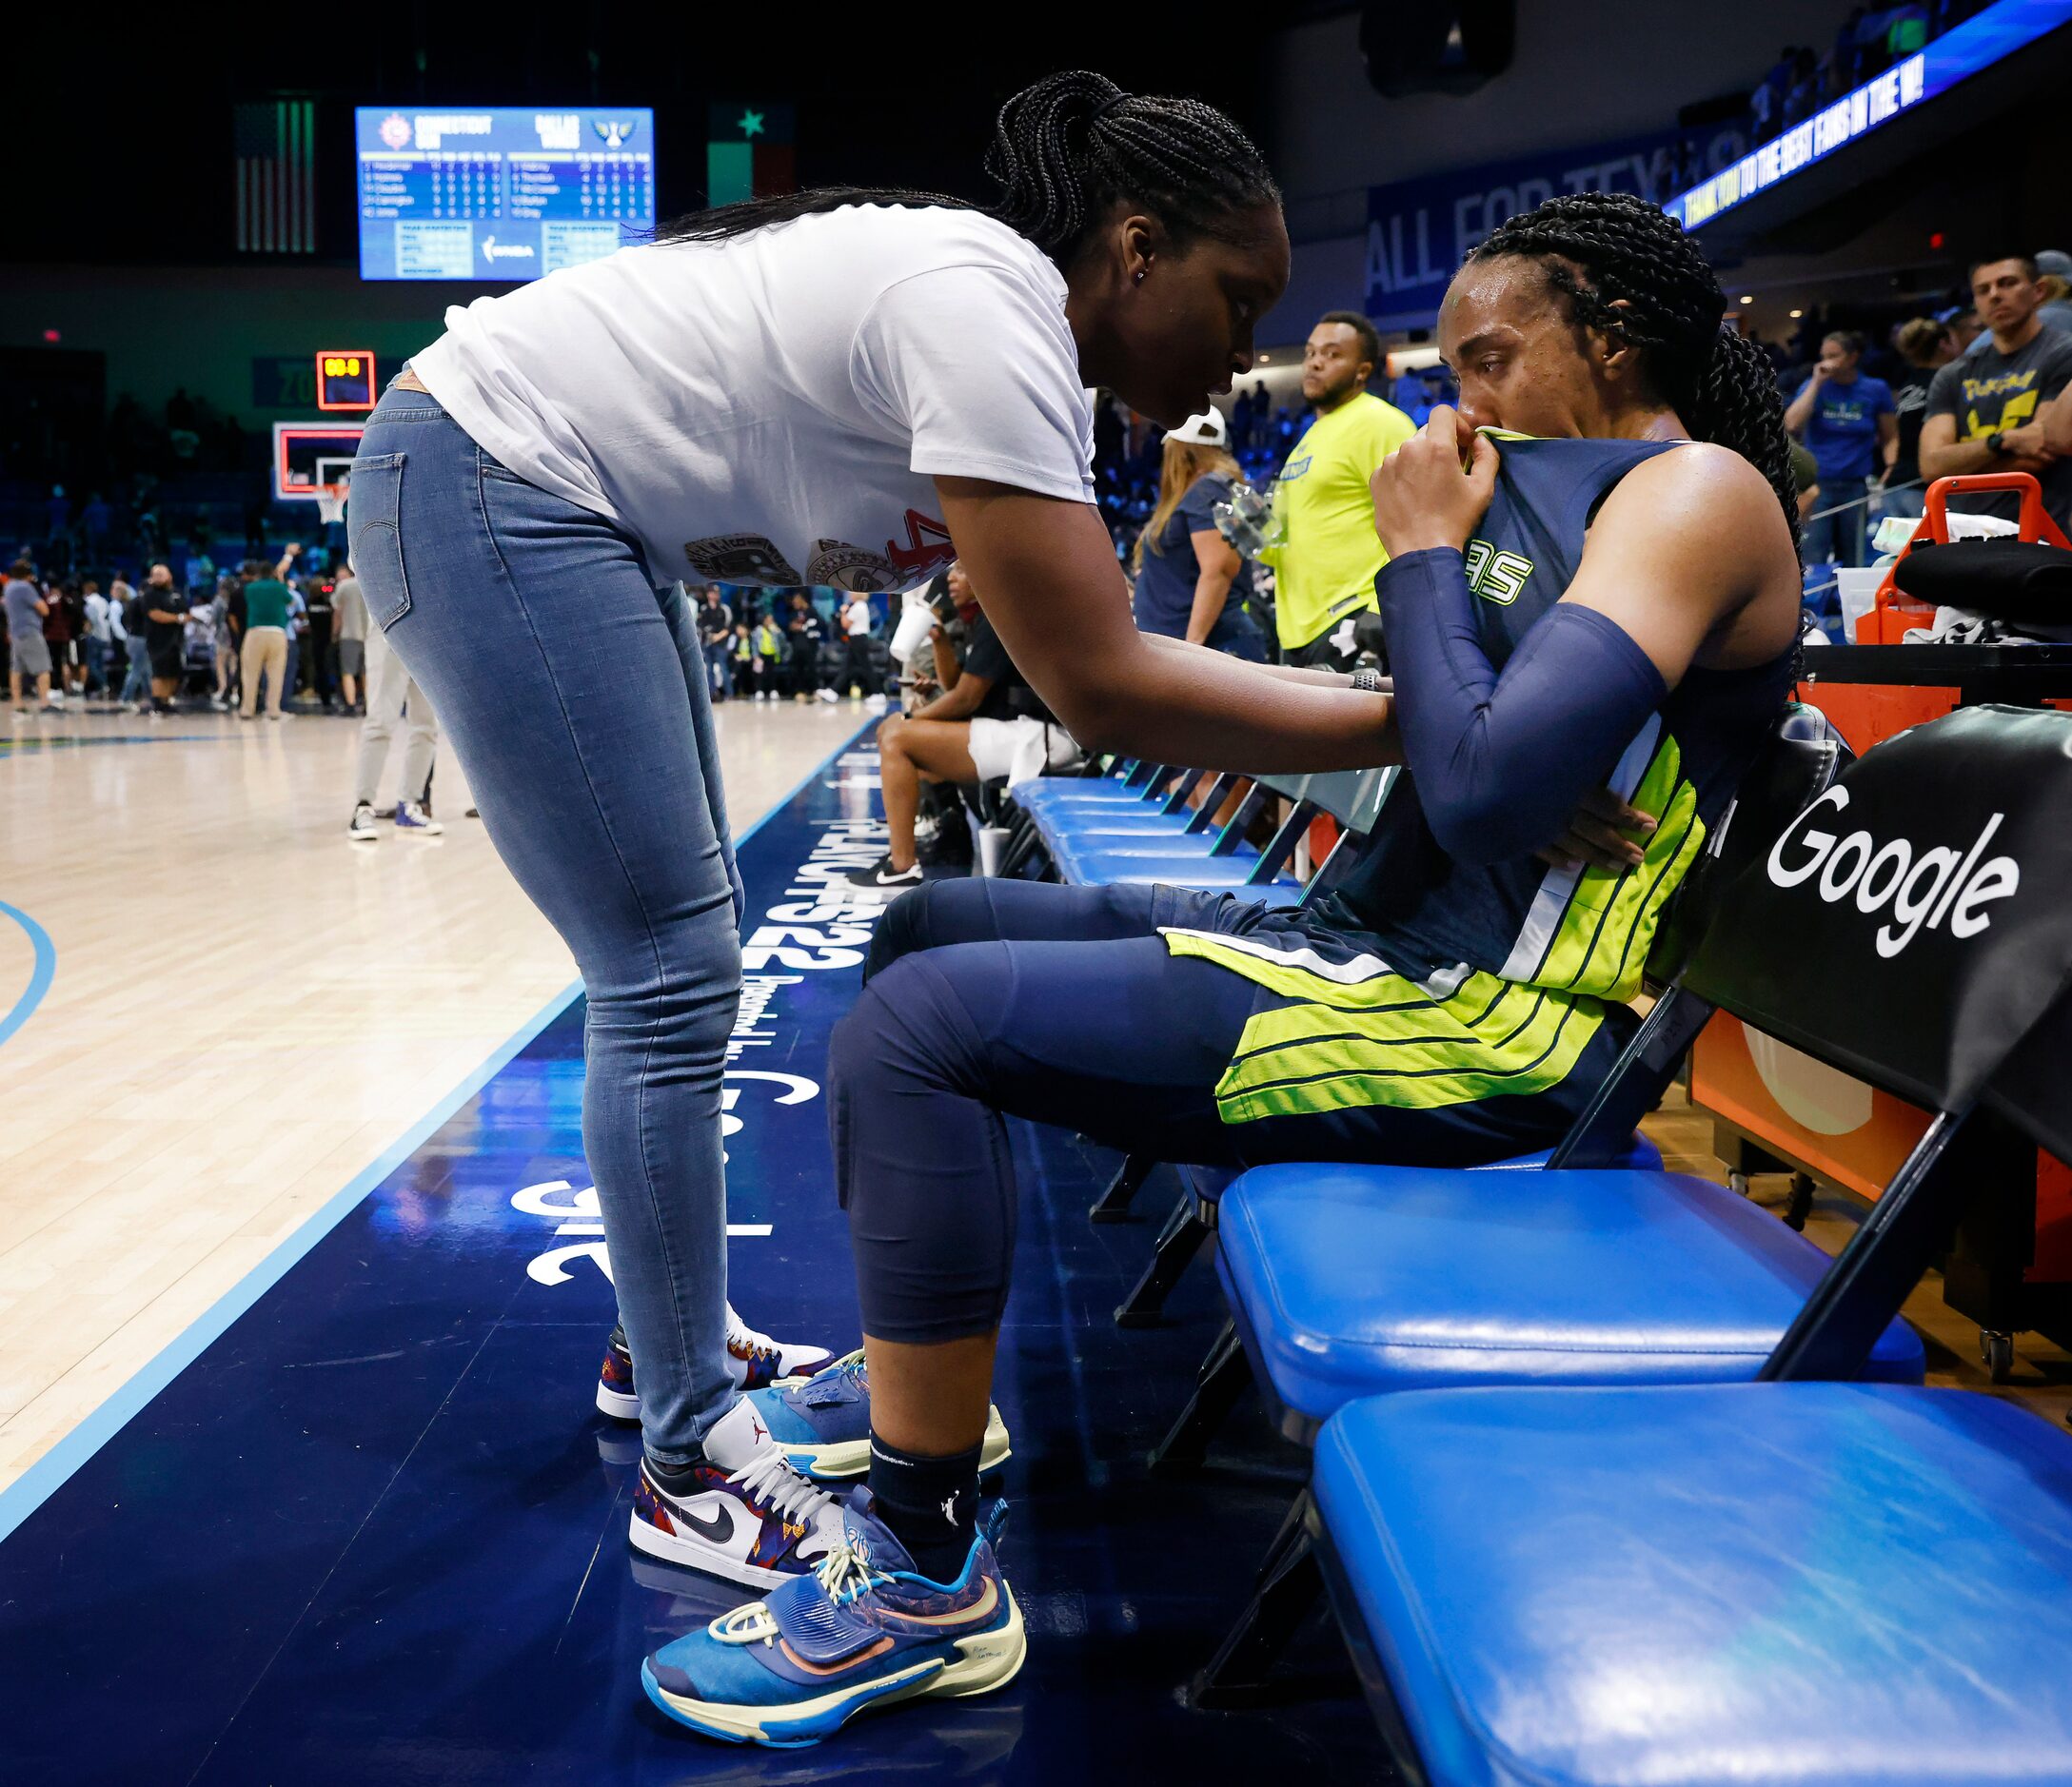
[1207, 429]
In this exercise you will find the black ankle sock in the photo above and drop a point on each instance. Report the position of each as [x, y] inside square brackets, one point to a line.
[930, 1503]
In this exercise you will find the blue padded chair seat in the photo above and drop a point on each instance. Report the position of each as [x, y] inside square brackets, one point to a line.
[1348, 1281]
[1811, 1583]
[1208, 1184]
[1067, 828]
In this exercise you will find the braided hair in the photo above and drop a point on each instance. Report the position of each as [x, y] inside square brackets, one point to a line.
[1620, 247]
[1064, 152]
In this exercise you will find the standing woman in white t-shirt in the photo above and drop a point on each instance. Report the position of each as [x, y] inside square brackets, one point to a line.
[826, 388]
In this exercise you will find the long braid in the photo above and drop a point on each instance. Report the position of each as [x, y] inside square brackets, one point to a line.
[1064, 152]
[1618, 246]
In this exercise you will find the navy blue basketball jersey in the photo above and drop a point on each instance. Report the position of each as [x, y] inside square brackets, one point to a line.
[1422, 980]
[1574, 930]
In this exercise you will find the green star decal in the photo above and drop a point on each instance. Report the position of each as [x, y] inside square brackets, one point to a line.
[751, 123]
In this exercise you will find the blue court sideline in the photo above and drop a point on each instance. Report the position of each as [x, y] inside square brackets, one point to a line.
[375, 1531]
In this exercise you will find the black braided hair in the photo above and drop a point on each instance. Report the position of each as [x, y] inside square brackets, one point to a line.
[1620, 247]
[1064, 152]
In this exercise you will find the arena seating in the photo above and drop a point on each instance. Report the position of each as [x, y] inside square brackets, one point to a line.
[1091, 839]
[1586, 1524]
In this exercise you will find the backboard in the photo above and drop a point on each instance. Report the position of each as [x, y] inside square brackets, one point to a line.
[313, 458]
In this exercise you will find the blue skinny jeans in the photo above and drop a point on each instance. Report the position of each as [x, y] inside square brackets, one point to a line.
[575, 696]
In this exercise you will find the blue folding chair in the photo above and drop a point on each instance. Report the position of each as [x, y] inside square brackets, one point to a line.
[1807, 1577]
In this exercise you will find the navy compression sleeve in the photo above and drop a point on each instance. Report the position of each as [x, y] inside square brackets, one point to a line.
[1501, 762]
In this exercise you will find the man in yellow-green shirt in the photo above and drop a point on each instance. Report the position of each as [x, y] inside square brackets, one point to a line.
[1325, 562]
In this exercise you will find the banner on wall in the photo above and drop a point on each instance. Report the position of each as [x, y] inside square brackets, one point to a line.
[1419, 231]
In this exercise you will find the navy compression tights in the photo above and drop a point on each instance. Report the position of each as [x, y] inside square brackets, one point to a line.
[987, 998]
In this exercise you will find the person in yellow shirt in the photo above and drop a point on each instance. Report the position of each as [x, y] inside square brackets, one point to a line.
[1327, 554]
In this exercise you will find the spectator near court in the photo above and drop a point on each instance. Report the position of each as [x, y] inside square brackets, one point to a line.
[393, 701]
[62, 619]
[856, 630]
[165, 606]
[767, 646]
[349, 620]
[264, 651]
[1985, 408]
[1326, 557]
[97, 636]
[804, 631]
[2054, 279]
[716, 635]
[1849, 422]
[28, 659]
[1192, 583]
[134, 630]
[987, 725]
[1926, 346]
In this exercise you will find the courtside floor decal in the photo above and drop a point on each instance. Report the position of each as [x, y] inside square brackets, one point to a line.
[368, 1526]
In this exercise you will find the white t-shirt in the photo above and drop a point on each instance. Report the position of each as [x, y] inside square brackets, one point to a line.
[770, 409]
[855, 618]
[97, 617]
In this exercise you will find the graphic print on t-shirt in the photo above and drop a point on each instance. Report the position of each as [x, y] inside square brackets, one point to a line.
[740, 559]
[927, 550]
[837, 564]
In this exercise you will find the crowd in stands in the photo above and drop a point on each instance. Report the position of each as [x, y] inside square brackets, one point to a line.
[101, 641]
[1883, 410]
[1868, 41]
[809, 644]
[107, 644]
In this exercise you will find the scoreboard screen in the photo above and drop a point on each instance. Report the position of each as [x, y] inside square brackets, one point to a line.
[506, 193]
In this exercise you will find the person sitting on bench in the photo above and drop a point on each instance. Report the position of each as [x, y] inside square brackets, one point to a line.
[987, 725]
[1608, 595]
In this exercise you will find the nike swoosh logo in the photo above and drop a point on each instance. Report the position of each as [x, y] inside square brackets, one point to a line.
[717, 1530]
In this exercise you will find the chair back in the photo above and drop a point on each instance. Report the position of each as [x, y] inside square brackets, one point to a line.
[1912, 924]
[1802, 756]
[1908, 926]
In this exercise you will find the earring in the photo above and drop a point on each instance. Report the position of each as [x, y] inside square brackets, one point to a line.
[1140, 275]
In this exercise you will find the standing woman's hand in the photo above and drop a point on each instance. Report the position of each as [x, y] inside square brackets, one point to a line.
[1423, 496]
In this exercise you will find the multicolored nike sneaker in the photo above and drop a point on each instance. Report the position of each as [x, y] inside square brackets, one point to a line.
[753, 1361]
[763, 1526]
[823, 1423]
[865, 1629]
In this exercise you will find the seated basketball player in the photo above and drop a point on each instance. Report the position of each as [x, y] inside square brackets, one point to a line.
[1600, 587]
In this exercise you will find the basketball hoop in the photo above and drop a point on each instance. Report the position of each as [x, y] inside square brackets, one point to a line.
[333, 485]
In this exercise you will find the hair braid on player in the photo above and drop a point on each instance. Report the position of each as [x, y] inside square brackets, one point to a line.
[1071, 148]
[1065, 151]
[1629, 270]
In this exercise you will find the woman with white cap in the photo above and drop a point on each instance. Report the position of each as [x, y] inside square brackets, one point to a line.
[1192, 583]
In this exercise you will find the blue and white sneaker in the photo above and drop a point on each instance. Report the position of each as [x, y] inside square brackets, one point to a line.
[753, 1361]
[410, 817]
[865, 1629]
[823, 1423]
